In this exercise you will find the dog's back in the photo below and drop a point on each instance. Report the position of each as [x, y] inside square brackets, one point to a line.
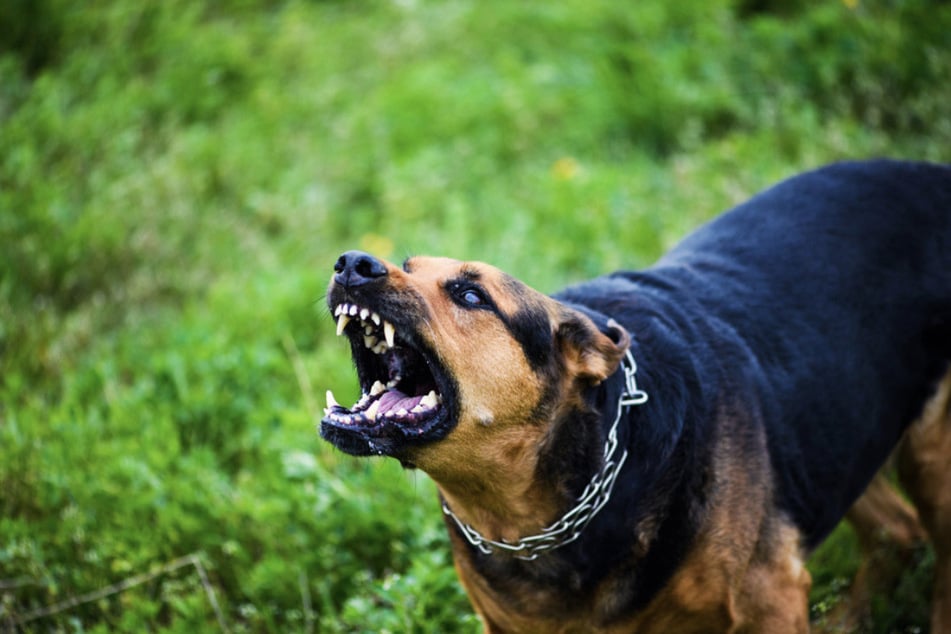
[839, 283]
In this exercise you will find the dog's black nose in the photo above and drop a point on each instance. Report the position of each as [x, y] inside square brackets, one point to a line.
[355, 268]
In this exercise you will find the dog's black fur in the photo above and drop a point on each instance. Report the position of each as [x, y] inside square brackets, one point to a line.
[828, 297]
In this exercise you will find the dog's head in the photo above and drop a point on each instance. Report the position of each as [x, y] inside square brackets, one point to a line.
[452, 356]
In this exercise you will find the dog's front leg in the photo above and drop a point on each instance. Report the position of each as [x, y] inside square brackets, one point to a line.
[774, 598]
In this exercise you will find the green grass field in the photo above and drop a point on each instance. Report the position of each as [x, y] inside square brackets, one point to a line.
[177, 179]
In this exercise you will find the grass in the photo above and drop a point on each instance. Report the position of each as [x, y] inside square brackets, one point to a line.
[177, 178]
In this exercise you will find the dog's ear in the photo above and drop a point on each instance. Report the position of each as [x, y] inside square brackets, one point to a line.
[588, 353]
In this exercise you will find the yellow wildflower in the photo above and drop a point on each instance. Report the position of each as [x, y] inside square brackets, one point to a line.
[377, 245]
[565, 169]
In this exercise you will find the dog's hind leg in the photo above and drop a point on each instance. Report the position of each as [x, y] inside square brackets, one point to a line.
[924, 463]
[889, 533]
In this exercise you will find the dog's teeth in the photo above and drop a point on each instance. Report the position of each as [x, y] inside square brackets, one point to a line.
[376, 319]
[402, 412]
[342, 323]
[377, 388]
[369, 341]
[429, 401]
[372, 410]
[364, 313]
[368, 329]
[331, 401]
[338, 310]
[353, 310]
[380, 348]
[390, 333]
[419, 409]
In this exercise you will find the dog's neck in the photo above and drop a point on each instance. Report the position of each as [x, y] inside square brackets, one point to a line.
[538, 510]
[502, 503]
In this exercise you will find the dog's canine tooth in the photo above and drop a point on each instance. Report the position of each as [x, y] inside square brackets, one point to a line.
[429, 401]
[376, 318]
[377, 388]
[342, 323]
[331, 401]
[389, 331]
[371, 411]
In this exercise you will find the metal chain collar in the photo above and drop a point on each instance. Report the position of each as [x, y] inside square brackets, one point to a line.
[595, 495]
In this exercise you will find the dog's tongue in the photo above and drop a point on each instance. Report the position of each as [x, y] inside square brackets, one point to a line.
[393, 401]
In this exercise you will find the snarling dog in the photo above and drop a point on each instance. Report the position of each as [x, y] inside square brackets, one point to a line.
[657, 451]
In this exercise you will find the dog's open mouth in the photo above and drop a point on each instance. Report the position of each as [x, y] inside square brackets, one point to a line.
[404, 390]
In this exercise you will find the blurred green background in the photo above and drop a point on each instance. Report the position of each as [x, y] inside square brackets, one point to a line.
[178, 177]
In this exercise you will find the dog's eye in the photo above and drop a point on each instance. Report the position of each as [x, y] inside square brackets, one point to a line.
[473, 297]
[466, 294]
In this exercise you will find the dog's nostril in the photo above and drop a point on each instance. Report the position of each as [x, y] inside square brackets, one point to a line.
[365, 268]
[354, 268]
[340, 264]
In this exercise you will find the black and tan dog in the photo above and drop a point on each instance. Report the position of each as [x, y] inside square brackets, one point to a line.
[782, 352]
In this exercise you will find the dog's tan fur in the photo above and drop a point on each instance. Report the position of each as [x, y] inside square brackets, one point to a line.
[924, 464]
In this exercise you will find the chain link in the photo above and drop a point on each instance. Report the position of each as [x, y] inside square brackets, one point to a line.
[595, 495]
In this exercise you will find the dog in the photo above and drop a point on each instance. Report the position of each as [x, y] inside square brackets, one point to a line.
[660, 450]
